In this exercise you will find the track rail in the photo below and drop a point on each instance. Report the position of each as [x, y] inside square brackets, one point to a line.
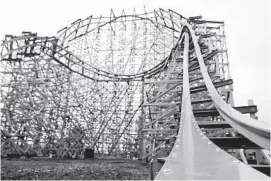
[72, 62]
[256, 131]
[194, 156]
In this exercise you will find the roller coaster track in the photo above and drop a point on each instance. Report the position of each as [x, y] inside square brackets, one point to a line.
[50, 48]
[181, 90]
[194, 156]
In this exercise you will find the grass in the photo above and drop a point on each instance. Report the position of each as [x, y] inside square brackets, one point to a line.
[78, 169]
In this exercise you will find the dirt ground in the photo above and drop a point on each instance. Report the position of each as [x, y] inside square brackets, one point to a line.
[67, 169]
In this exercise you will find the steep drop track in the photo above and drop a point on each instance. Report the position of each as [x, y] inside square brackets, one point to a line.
[63, 94]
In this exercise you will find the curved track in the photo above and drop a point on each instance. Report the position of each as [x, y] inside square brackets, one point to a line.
[194, 156]
[53, 94]
[49, 47]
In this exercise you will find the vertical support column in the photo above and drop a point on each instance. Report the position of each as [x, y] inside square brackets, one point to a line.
[60, 151]
[259, 157]
[142, 136]
[225, 62]
[242, 155]
[217, 71]
[103, 142]
[179, 109]
[154, 145]
[231, 100]
[258, 154]
[251, 103]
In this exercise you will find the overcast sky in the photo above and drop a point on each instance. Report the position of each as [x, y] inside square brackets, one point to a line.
[247, 30]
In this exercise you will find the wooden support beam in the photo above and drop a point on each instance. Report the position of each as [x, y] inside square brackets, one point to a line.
[164, 82]
[220, 132]
[265, 169]
[234, 143]
[162, 104]
[159, 130]
[213, 124]
[168, 113]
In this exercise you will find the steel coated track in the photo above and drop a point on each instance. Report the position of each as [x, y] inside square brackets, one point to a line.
[194, 156]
